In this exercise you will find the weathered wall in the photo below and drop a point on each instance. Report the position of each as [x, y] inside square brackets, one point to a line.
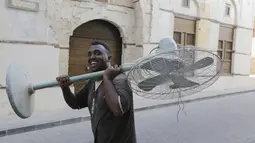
[39, 40]
[64, 16]
[72, 14]
[159, 15]
[243, 37]
[126, 3]
[27, 39]
[242, 55]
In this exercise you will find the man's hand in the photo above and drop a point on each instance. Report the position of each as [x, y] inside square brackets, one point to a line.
[112, 72]
[64, 81]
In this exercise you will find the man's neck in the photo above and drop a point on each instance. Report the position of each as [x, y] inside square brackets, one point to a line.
[101, 78]
[98, 79]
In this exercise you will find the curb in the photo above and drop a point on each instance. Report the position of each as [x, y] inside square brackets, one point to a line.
[25, 129]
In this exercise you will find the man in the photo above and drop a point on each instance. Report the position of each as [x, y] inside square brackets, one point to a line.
[109, 98]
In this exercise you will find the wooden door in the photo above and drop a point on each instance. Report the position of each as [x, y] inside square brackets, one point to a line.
[225, 48]
[78, 58]
[184, 35]
[81, 41]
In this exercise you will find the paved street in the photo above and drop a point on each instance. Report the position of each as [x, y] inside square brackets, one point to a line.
[222, 120]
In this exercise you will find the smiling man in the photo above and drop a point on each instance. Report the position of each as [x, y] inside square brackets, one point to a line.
[109, 98]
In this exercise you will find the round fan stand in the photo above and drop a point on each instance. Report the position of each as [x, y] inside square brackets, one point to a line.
[153, 50]
[165, 45]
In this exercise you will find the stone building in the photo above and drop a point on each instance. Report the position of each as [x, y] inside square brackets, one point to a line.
[252, 69]
[51, 37]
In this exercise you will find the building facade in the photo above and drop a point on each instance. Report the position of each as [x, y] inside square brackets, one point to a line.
[51, 37]
[252, 69]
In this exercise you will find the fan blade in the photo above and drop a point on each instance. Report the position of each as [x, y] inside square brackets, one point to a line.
[181, 82]
[163, 66]
[198, 65]
[150, 83]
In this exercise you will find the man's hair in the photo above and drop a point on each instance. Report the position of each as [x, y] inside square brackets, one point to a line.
[104, 45]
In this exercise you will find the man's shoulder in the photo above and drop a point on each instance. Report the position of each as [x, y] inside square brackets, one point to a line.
[121, 76]
[121, 80]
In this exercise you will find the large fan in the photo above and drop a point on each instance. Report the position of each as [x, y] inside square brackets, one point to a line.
[171, 73]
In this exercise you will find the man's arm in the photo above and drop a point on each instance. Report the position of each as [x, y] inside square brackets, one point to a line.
[78, 100]
[118, 95]
[75, 101]
[69, 97]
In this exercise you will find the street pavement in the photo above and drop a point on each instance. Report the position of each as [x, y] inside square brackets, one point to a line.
[11, 124]
[223, 120]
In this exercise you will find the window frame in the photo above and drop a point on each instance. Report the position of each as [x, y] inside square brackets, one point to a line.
[184, 2]
[227, 9]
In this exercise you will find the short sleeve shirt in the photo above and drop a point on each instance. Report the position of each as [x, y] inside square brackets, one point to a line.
[106, 127]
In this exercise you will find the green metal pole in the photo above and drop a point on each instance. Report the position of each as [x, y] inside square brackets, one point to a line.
[76, 78]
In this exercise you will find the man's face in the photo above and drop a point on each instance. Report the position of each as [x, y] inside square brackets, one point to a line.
[98, 58]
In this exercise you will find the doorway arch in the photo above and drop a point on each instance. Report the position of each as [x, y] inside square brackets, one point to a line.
[80, 41]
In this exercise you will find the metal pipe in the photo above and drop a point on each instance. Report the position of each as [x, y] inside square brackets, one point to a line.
[76, 78]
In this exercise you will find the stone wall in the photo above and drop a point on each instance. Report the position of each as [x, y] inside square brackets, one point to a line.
[38, 38]
[158, 18]
[37, 34]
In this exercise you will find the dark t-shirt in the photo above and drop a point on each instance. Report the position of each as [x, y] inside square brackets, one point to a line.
[106, 127]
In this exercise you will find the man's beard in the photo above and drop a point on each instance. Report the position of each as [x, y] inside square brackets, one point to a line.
[102, 68]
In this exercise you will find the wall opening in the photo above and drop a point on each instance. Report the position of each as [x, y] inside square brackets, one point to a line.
[80, 42]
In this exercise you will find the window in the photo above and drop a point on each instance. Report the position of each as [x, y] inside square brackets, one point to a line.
[190, 39]
[177, 37]
[185, 3]
[227, 9]
[220, 49]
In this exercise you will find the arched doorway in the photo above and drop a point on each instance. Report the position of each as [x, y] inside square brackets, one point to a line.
[81, 39]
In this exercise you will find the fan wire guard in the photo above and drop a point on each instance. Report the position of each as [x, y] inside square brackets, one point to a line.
[170, 63]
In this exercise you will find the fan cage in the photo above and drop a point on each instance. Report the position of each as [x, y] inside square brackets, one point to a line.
[205, 77]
